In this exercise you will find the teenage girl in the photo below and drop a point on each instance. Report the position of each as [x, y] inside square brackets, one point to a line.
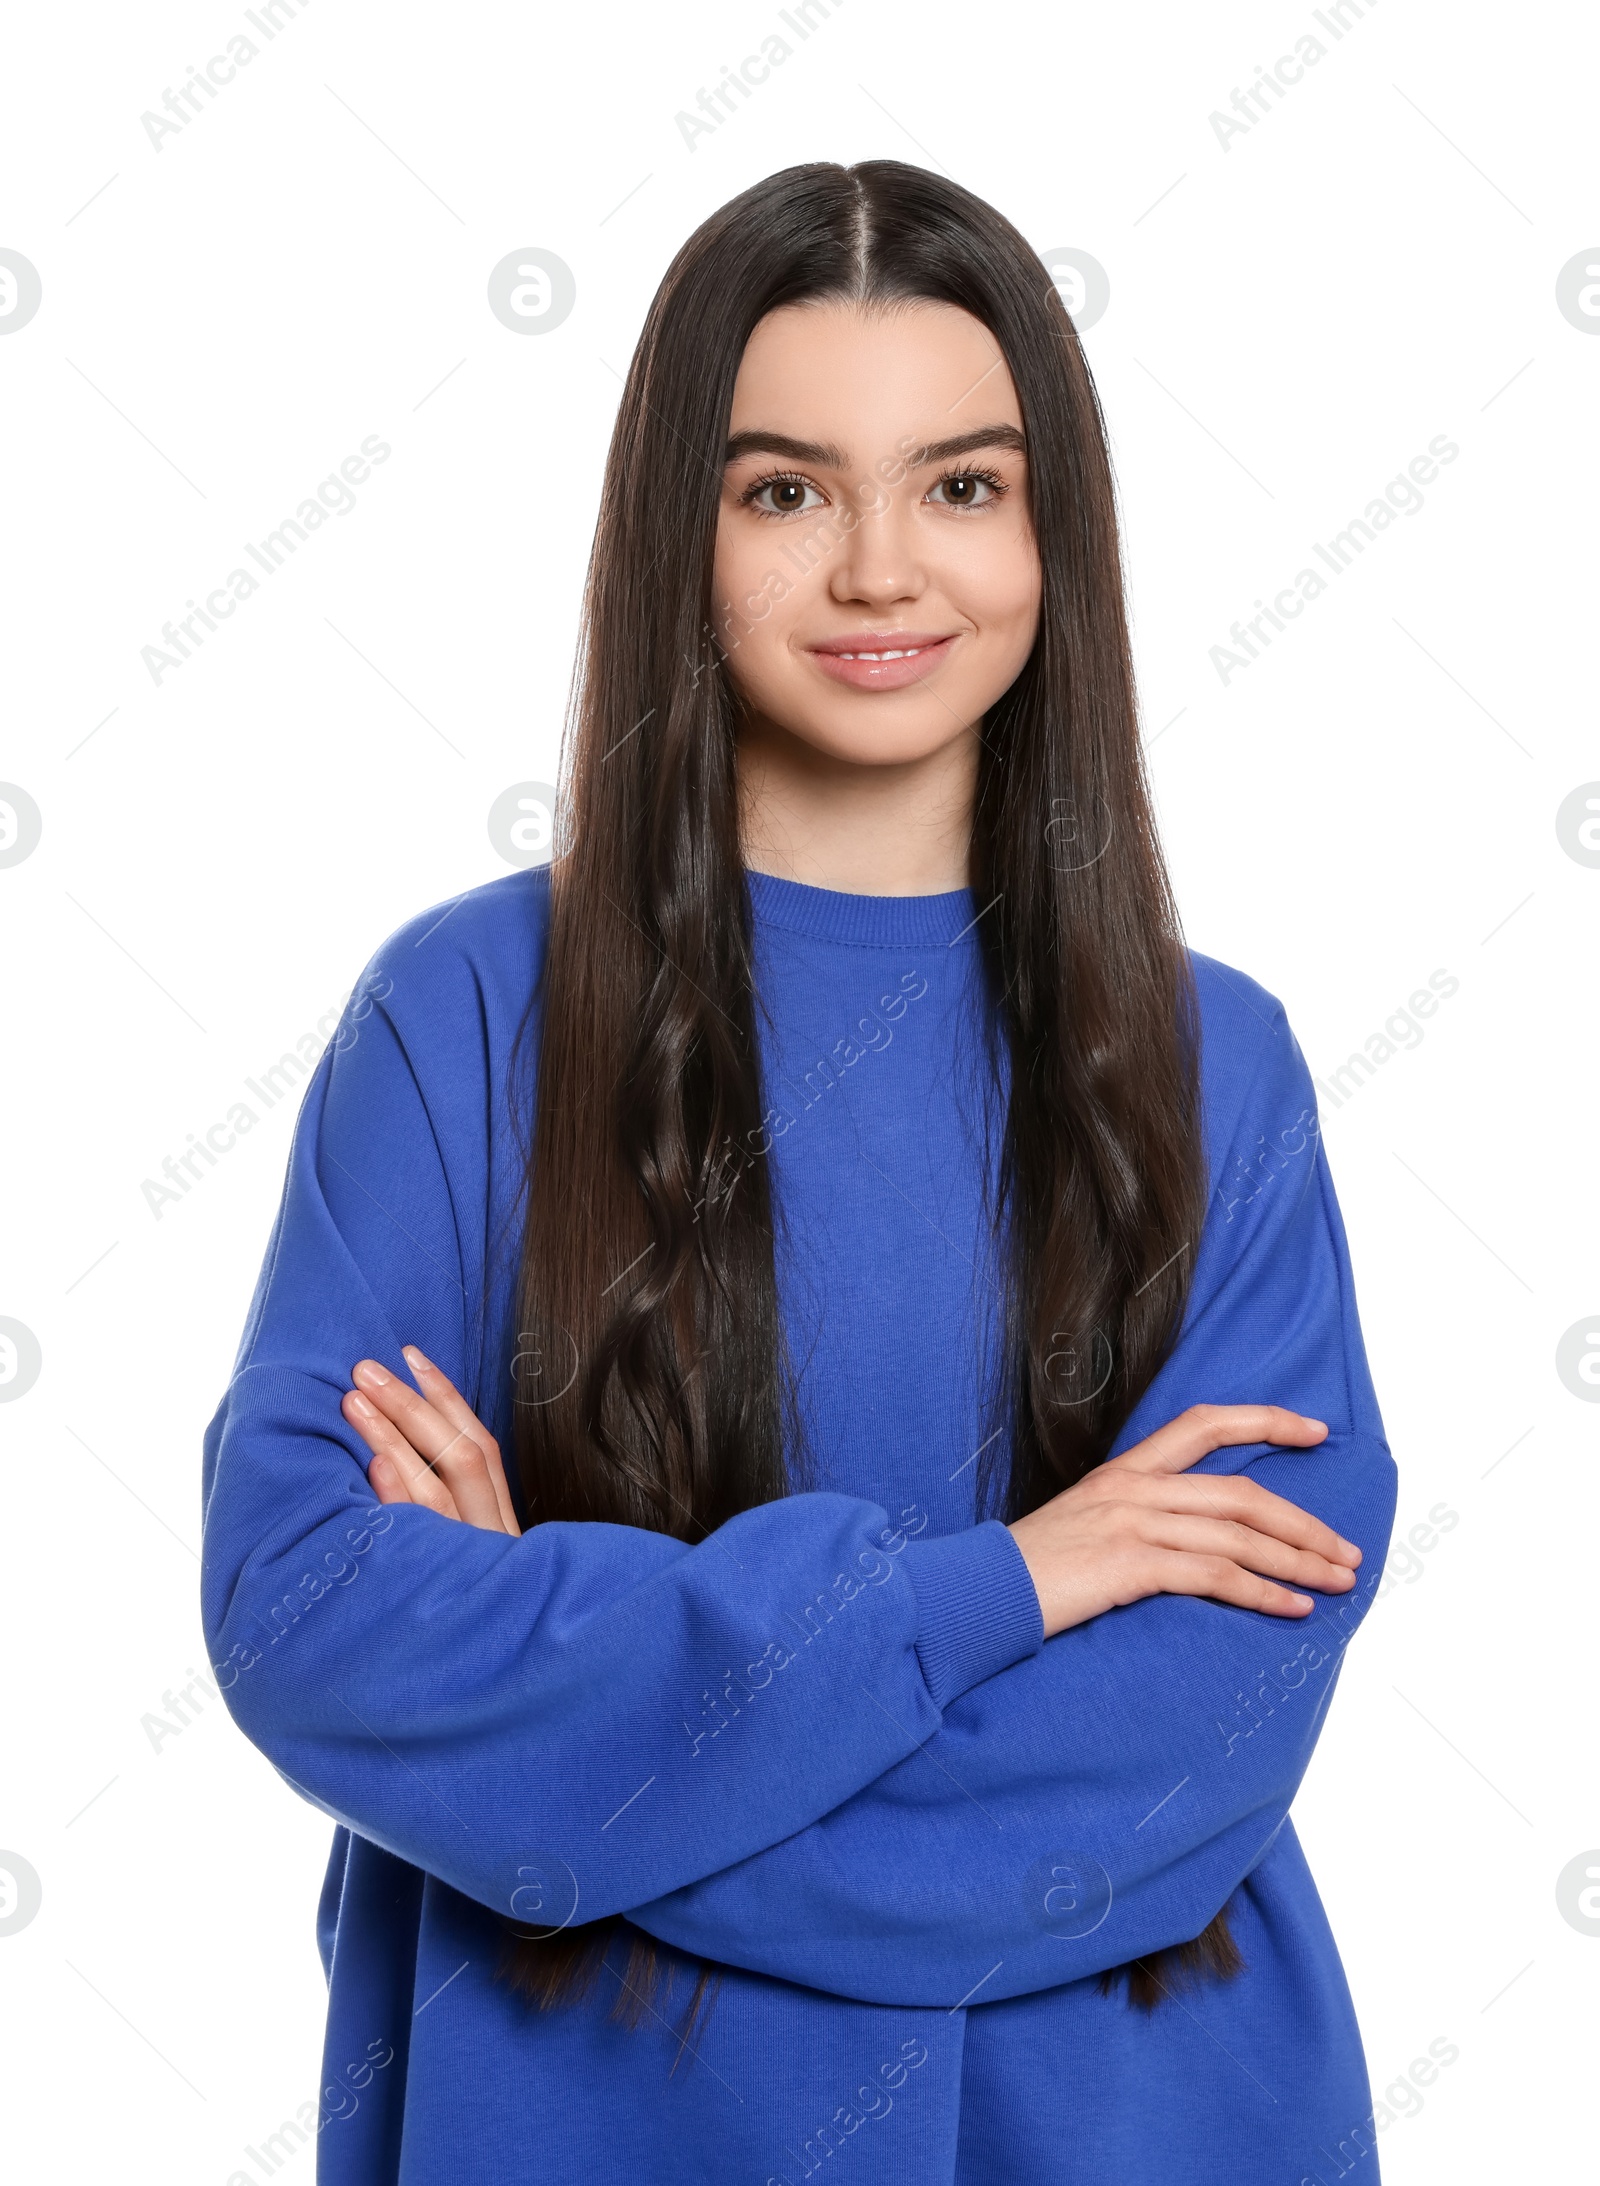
[802, 1462]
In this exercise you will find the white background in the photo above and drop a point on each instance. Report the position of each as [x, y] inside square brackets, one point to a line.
[1292, 319]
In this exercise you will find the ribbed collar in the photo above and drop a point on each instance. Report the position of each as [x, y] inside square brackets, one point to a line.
[828, 914]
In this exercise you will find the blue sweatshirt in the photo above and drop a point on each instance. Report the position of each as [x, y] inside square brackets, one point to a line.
[828, 1747]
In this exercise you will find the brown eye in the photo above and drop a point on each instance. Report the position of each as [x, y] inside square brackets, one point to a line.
[780, 495]
[967, 489]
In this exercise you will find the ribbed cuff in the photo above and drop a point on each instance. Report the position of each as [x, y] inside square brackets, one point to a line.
[978, 1610]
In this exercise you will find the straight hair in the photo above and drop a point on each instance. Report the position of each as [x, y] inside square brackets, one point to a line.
[647, 1282]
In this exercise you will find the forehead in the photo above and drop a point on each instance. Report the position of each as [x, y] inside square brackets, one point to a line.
[862, 378]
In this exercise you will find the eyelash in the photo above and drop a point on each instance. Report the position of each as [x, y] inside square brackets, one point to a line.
[997, 485]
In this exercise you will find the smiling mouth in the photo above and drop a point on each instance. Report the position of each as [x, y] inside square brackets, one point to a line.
[871, 663]
[891, 646]
[902, 652]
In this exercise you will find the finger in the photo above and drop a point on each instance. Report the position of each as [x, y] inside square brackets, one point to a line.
[1206, 1427]
[385, 1482]
[1216, 1578]
[450, 1452]
[385, 1440]
[1258, 1552]
[1225, 1495]
[444, 1396]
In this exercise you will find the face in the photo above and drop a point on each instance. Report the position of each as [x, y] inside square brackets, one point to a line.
[876, 578]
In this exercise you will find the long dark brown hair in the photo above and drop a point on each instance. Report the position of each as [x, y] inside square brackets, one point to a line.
[657, 1392]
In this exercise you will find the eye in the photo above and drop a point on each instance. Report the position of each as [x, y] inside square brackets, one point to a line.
[780, 493]
[969, 489]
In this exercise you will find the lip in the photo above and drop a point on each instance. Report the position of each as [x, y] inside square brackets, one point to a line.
[921, 651]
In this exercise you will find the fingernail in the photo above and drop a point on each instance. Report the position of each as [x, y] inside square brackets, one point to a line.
[371, 1373]
[415, 1360]
[358, 1403]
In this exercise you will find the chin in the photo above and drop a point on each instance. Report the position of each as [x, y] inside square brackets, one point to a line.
[869, 737]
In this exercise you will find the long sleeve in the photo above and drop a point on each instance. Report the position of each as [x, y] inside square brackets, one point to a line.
[497, 1710]
[1105, 1797]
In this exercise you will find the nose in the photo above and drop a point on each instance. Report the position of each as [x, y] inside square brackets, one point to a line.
[877, 561]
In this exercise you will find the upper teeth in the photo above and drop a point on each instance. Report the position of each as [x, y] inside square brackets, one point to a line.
[908, 652]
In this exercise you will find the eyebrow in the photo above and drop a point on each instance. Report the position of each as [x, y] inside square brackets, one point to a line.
[758, 441]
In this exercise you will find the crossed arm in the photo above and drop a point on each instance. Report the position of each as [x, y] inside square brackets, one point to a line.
[490, 1706]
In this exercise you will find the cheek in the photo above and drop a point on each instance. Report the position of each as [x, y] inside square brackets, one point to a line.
[1005, 581]
[996, 581]
[742, 563]
[726, 568]
[757, 599]
[754, 658]
[743, 603]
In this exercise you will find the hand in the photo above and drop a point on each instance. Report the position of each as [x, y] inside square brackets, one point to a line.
[1134, 1526]
[432, 1449]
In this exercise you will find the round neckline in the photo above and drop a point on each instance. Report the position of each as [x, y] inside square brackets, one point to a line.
[831, 914]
